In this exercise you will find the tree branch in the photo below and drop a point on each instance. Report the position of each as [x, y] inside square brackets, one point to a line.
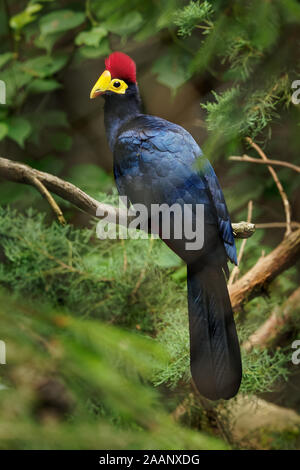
[294, 224]
[21, 173]
[282, 193]
[270, 329]
[45, 193]
[243, 229]
[265, 270]
[246, 158]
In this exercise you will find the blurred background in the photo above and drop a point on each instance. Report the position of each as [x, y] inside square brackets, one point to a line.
[224, 71]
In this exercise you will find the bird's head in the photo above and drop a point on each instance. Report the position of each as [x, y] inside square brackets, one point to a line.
[120, 73]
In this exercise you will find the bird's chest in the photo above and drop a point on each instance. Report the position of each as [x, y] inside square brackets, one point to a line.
[147, 179]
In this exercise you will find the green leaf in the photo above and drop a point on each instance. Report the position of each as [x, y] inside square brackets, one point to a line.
[5, 58]
[47, 42]
[61, 141]
[124, 25]
[90, 52]
[19, 129]
[172, 70]
[15, 79]
[27, 16]
[59, 21]
[44, 66]
[3, 130]
[92, 37]
[40, 85]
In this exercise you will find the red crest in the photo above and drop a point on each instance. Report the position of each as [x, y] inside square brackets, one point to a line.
[121, 66]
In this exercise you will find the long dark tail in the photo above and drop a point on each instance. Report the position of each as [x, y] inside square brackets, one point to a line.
[215, 354]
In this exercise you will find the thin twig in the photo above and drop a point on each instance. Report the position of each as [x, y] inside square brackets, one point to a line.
[246, 158]
[282, 193]
[294, 224]
[236, 269]
[45, 193]
[89, 14]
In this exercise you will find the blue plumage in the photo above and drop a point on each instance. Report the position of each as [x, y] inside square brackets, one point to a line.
[163, 158]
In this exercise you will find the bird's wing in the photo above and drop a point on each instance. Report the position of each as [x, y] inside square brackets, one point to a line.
[217, 196]
[159, 162]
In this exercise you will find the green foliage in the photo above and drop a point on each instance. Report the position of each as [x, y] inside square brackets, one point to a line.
[124, 25]
[66, 267]
[19, 21]
[287, 440]
[90, 178]
[5, 58]
[92, 37]
[82, 384]
[262, 370]
[243, 40]
[192, 15]
[60, 21]
[172, 69]
[258, 111]
[18, 129]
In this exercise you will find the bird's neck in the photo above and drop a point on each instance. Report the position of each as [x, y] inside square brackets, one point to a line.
[118, 109]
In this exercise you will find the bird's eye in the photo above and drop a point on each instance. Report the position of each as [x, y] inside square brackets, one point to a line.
[117, 84]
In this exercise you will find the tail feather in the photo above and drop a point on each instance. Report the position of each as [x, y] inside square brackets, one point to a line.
[214, 348]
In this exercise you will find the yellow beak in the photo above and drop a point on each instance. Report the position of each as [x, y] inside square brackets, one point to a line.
[101, 85]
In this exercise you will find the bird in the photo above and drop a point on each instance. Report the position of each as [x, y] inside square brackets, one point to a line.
[158, 162]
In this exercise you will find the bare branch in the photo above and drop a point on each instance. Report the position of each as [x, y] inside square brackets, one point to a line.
[270, 329]
[45, 193]
[277, 225]
[282, 193]
[20, 173]
[243, 229]
[265, 270]
[246, 158]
